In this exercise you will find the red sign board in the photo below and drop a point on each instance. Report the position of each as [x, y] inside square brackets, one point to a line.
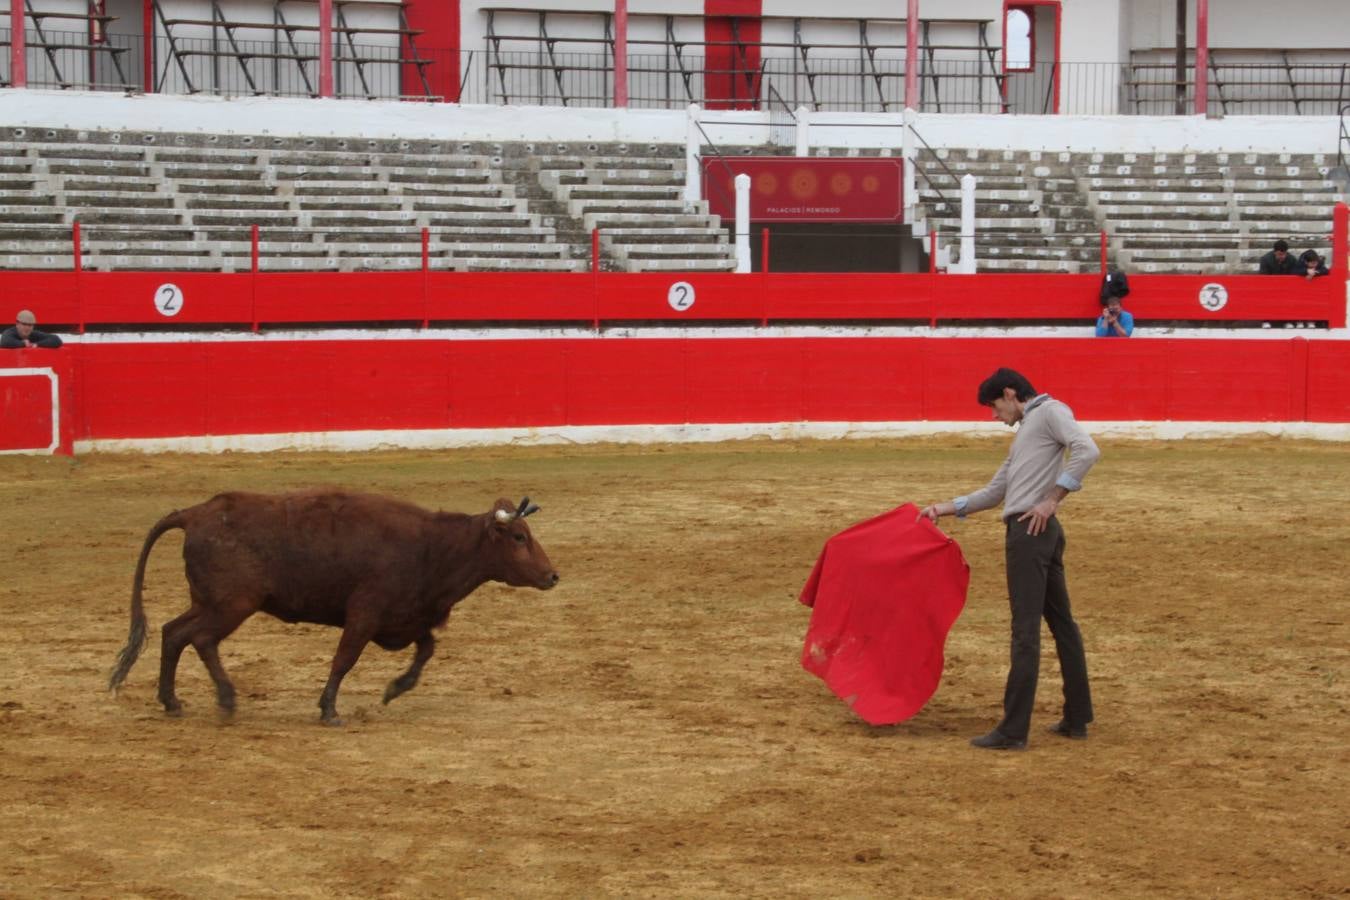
[808, 189]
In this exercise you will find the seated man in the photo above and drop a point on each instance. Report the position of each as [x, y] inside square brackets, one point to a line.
[1278, 261]
[1114, 321]
[1310, 265]
[24, 334]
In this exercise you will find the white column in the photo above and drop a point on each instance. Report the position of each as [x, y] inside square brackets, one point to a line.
[742, 223]
[908, 151]
[967, 224]
[693, 141]
[803, 131]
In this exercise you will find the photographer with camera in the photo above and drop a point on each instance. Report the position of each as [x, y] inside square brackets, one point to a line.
[1114, 321]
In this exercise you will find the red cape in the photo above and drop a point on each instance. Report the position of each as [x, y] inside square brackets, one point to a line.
[884, 594]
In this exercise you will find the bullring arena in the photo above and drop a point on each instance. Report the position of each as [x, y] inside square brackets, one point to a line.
[645, 728]
[709, 283]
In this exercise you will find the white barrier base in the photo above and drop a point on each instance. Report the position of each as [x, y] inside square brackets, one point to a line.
[447, 438]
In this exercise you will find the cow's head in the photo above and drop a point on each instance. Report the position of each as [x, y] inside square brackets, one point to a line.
[517, 559]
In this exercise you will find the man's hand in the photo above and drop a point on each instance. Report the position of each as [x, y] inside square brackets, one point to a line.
[1039, 515]
[934, 511]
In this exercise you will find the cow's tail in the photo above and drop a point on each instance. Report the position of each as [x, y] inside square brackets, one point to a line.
[136, 638]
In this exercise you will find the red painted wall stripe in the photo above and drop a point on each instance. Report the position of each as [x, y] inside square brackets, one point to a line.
[439, 23]
[731, 80]
[127, 298]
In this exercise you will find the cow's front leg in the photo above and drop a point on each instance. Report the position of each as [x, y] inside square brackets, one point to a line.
[426, 645]
[354, 639]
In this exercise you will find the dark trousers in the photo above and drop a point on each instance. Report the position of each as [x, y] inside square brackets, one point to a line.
[1036, 589]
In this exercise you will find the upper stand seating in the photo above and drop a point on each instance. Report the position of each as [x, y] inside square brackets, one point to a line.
[637, 203]
[189, 202]
[1175, 213]
[1218, 212]
[1029, 214]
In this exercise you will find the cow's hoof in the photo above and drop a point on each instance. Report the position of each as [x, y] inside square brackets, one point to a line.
[173, 710]
[332, 721]
[391, 692]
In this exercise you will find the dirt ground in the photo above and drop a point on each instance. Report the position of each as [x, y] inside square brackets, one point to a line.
[645, 729]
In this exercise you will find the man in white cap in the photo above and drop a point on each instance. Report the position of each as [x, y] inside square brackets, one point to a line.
[24, 335]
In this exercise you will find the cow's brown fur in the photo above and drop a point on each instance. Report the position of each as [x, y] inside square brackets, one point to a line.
[380, 569]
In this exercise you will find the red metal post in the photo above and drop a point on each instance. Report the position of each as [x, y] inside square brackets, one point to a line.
[18, 49]
[912, 55]
[595, 277]
[79, 267]
[253, 281]
[148, 46]
[1340, 266]
[325, 48]
[1201, 57]
[764, 267]
[426, 270]
[1103, 251]
[621, 53]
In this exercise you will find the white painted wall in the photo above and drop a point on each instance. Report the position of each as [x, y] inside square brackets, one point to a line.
[1244, 23]
[387, 119]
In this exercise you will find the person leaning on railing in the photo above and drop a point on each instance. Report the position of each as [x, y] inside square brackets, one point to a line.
[24, 334]
[1310, 265]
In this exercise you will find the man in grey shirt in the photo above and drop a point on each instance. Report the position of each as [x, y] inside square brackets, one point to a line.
[1031, 483]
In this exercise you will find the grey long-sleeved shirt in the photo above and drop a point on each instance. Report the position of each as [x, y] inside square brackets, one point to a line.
[1036, 461]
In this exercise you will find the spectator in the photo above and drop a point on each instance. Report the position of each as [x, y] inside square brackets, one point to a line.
[1114, 321]
[1310, 265]
[24, 334]
[1278, 261]
[1114, 284]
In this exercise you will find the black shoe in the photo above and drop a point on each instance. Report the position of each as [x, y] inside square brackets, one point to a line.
[1064, 729]
[997, 740]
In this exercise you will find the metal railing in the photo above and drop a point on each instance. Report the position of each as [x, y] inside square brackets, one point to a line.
[670, 81]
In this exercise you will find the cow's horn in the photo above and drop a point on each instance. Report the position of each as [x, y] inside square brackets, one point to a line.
[503, 516]
[521, 509]
[532, 508]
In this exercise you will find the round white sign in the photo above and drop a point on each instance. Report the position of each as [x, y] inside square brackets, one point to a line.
[169, 299]
[680, 296]
[1213, 297]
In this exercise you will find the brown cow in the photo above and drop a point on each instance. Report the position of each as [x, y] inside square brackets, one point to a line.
[379, 569]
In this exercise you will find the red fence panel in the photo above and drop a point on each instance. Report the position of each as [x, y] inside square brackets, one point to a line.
[150, 298]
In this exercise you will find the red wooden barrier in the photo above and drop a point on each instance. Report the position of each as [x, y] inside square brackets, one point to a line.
[157, 389]
[129, 298]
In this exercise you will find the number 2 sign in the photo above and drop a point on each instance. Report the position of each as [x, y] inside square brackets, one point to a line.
[680, 296]
[168, 299]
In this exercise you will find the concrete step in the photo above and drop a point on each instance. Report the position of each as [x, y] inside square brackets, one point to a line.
[151, 263]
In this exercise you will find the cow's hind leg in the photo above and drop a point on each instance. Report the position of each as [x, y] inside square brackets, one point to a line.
[426, 645]
[355, 636]
[210, 629]
[176, 634]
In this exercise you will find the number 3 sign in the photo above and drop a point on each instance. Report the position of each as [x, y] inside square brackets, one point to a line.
[168, 299]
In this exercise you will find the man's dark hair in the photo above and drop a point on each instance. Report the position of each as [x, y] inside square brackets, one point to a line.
[1282, 246]
[1309, 256]
[992, 387]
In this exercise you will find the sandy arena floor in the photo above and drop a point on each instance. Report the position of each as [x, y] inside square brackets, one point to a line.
[645, 729]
